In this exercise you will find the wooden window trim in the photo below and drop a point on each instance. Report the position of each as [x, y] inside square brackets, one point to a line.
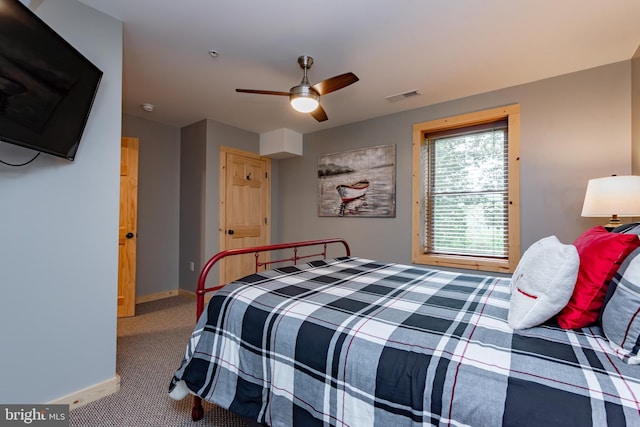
[420, 130]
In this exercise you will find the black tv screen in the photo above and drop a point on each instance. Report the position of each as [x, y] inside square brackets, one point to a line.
[47, 87]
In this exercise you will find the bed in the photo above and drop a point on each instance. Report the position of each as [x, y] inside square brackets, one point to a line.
[348, 341]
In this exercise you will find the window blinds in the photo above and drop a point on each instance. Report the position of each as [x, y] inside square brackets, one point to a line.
[466, 191]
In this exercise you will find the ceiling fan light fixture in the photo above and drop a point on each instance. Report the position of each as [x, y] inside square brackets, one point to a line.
[304, 99]
[304, 105]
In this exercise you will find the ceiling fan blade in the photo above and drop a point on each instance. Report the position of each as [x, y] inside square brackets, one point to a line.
[334, 83]
[319, 114]
[263, 92]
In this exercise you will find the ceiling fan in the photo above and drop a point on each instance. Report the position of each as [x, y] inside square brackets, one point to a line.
[306, 98]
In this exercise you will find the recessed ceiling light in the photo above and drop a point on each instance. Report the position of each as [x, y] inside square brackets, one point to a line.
[214, 53]
[148, 107]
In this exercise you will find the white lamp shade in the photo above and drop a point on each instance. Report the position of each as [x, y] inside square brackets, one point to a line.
[613, 195]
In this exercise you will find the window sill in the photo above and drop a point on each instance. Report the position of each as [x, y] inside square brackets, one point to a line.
[467, 262]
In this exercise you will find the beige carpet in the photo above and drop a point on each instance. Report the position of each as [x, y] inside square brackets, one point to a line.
[150, 348]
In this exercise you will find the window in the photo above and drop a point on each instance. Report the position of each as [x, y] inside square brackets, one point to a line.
[466, 191]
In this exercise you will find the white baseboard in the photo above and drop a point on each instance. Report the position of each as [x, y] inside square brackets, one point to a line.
[90, 394]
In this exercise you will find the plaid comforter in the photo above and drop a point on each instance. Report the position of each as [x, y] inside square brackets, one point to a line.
[355, 342]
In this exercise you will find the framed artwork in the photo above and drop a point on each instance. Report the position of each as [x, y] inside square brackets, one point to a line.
[358, 183]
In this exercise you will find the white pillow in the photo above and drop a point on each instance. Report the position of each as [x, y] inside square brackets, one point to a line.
[543, 282]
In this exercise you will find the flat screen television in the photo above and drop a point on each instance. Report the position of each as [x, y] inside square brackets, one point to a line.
[47, 87]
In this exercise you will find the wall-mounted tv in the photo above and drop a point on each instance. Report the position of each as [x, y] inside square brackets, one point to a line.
[47, 87]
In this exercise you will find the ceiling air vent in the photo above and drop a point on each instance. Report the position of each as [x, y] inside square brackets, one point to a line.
[401, 96]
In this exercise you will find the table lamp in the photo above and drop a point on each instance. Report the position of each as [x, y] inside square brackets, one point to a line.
[613, 197]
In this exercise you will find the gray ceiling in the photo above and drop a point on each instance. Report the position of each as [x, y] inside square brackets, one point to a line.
[446, 49]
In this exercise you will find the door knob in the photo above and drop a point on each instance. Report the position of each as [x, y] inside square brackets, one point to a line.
[129, 235]
[230, 231]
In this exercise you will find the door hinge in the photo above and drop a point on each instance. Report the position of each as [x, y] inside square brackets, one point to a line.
[265, 221]
[266, 175]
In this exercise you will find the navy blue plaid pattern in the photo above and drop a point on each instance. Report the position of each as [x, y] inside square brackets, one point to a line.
[355, 342]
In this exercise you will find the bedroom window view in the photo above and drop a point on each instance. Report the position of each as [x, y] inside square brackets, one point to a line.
[466, 191]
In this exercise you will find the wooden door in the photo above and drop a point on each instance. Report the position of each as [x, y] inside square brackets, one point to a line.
[128, 227]
[245, 211]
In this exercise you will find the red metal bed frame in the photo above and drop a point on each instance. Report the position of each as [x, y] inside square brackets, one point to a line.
[198, 412]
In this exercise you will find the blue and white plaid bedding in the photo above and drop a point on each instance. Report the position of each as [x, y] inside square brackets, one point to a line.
[355, 342]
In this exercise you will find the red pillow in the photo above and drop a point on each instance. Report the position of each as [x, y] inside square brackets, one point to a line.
[601, 253]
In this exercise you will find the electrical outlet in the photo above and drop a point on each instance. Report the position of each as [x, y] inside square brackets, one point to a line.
[192, 266]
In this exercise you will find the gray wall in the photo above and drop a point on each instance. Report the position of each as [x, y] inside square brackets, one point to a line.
[59, 244]
[573, 128]
[200, 193]
[193, 153]
[635, 112]
[158, 204]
